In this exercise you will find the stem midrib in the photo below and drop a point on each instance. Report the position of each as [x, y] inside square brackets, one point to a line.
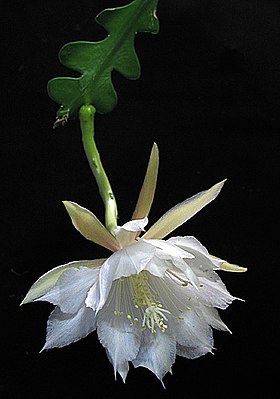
[124, 31]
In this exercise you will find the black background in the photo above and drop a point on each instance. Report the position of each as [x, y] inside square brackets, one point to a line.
[209, 96]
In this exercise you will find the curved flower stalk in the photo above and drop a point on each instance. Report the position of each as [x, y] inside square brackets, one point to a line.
[151, 299]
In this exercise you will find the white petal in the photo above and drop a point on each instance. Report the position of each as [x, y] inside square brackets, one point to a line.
[90, 227]
[192, 352]
[126, 234]
[63, 328]
[187, 271]
[189, 242]
[158, 266]
[212, 293]
[133, 225]
[71, 289]
[212, 317]
[147, 192]
[168, 249]
[130, 260]
[120, 340]
[186, 321]
[193, 335]
[93, 296]
[176, 255]
[180, 213]
[49, 279]
[157, 353]
[202, 263]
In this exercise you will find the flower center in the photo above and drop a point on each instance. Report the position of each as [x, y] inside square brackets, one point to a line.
[146, 299]
[154, 317]
[138, 300]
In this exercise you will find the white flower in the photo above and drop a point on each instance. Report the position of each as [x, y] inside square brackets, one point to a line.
[151, 299]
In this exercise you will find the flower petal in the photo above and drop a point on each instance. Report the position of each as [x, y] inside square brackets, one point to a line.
[180, 213]
[202, 264]
[117, 336]
[186, 321]
[71, 289]
[157, 353]
[189, 242]
[212, 317]
[147, 192]
[187, 271]
[211, 293]
[125, 234]
[130, 260]
[167, 250]
[63, 328]
[193, 334]
[49, 279]
[158, 266]
[133, 225]
[192, 352]
[90, 227]
[178, 257]
[93, 296]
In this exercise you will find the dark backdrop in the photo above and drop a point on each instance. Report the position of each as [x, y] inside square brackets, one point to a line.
[209, 96]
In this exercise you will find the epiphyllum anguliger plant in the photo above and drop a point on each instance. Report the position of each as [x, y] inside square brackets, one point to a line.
[151, 298]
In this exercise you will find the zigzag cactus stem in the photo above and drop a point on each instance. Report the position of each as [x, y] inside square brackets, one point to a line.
[86, 115]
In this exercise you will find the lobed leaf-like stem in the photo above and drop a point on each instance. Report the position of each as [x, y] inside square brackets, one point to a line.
[86, 115]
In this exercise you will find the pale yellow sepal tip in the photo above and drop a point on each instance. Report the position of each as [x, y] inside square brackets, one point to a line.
[68, 205]
[90, 226]
[147, 192]
[229, 267]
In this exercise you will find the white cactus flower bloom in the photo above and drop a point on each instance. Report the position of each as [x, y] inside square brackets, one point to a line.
[151, 299]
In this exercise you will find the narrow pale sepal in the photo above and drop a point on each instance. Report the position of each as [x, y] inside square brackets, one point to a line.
[147, 192]
[90, 227]
[182, 212]
[49, 279]
[229, 267]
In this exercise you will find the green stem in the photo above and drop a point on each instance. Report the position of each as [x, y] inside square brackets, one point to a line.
[87, 113]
